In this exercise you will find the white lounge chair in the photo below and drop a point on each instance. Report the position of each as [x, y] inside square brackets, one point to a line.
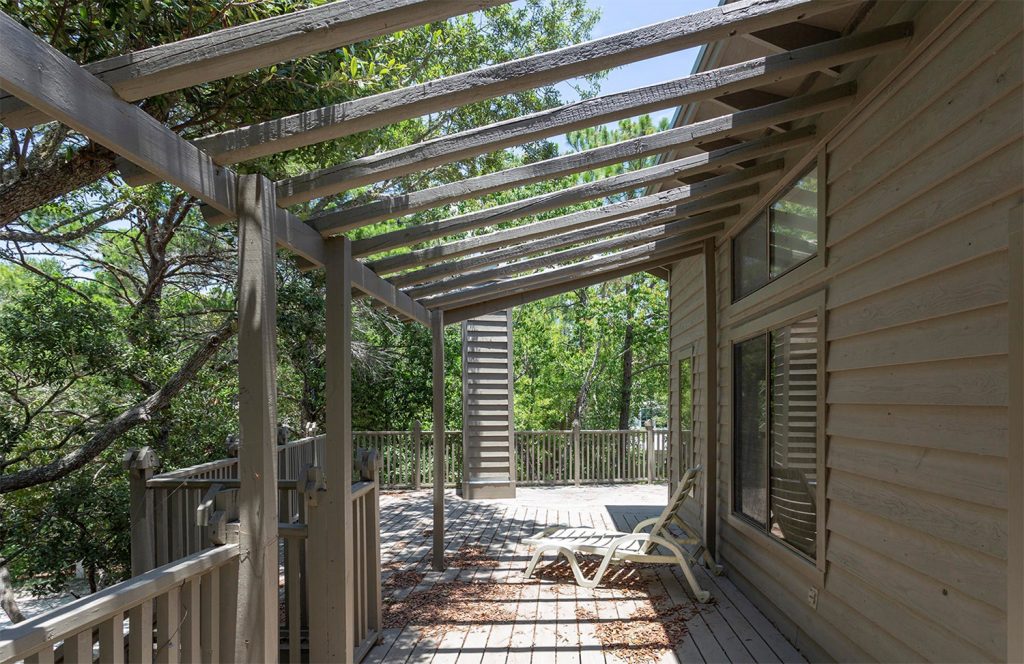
[637, 546]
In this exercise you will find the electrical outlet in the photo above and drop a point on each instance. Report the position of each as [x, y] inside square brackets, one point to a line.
[812, 597]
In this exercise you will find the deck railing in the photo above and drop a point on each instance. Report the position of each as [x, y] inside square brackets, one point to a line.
[178, 513]
[190, 603]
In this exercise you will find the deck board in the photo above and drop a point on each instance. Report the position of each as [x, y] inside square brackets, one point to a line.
[552, 620]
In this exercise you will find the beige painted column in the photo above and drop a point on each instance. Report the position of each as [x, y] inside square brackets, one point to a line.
[256, 636]
[437, 352]
[331, 616]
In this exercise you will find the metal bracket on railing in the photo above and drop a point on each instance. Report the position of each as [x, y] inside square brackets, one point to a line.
[309, 483]
[204, 511]
[222, 526]
[369, 463]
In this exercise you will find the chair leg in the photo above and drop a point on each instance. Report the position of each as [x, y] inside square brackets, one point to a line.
[541, 550]
[702, 595]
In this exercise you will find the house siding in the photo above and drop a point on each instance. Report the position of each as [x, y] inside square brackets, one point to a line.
[921, 188]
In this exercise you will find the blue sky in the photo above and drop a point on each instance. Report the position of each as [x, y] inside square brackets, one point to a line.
[621, 15]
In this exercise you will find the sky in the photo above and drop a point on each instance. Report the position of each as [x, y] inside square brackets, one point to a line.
[621, 15]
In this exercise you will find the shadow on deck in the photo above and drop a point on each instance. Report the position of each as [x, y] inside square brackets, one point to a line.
[482, 609]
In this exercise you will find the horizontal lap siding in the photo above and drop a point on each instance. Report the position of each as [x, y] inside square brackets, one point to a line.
[487, 400]
[920, 192]
[686, 331]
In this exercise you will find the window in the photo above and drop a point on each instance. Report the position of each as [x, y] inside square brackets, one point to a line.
[685, 414]
[775, 439]
[779, 239]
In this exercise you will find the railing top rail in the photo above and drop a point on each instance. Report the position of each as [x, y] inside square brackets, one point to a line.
[230, 461]
[75, 617]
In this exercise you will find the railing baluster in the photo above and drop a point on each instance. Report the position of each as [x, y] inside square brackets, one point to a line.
[78, 648]
[112, 640]
[209, 614]
[167, 622]
[140, 633]
[190, 637]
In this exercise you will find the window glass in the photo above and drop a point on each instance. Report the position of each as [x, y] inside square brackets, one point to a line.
[685, 413]
[776, 432]
[794, 434]
[751, 424]
[793, 226]
[750, 258]
[779, 239]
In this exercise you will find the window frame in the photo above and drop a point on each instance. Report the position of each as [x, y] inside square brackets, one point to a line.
[809, 265]
[813, 304]
[687, 353]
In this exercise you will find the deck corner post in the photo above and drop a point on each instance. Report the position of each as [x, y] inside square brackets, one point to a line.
[141, 464]
[576, 461]
[649, 426]
[417, 452]
[437, 353]
[257, 631]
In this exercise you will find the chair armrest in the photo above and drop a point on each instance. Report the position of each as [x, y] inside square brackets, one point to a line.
[646, 523]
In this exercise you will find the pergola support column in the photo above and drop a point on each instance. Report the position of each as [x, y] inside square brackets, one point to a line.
[332, 627]
[711, 397]
[437, 352]
[256, 637]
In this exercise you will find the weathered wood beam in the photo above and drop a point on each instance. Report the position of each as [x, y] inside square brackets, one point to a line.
[589, 112]
[713, 193]
[521, 248]
[706, 162]
[338, 120]
[46, 78]
[243, 48]
[366, 280]
[542, 292]
[505, 287]
[36, 72]
[671, 226]
[256, 609]
[703, 133]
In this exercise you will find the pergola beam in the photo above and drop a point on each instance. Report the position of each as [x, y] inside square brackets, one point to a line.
[460, 314]
[696, 134]
[702, 163]
[583, 268]
[711, 193]
[366, 280]
[589, 112]
[694, 228]
[243, 48]
[522, 249]
[344, 119]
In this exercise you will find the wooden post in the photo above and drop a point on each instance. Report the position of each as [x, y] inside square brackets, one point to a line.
[332, 626]
[649, 425]
[577, 465]
[437, 352]
[417, 449]
[710, 398]
[256, 638]
[141, 464]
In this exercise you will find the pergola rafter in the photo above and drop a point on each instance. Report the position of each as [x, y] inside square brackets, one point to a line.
[697, 134]
[243, 48]
[588, 112]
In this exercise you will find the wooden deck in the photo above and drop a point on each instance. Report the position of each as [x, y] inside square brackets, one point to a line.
[482, 609]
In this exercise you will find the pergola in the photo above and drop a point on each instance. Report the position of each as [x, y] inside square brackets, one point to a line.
[720, 166]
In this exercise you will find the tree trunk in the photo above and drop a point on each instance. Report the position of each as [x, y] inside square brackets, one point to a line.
[42, 186]
[7, 601]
